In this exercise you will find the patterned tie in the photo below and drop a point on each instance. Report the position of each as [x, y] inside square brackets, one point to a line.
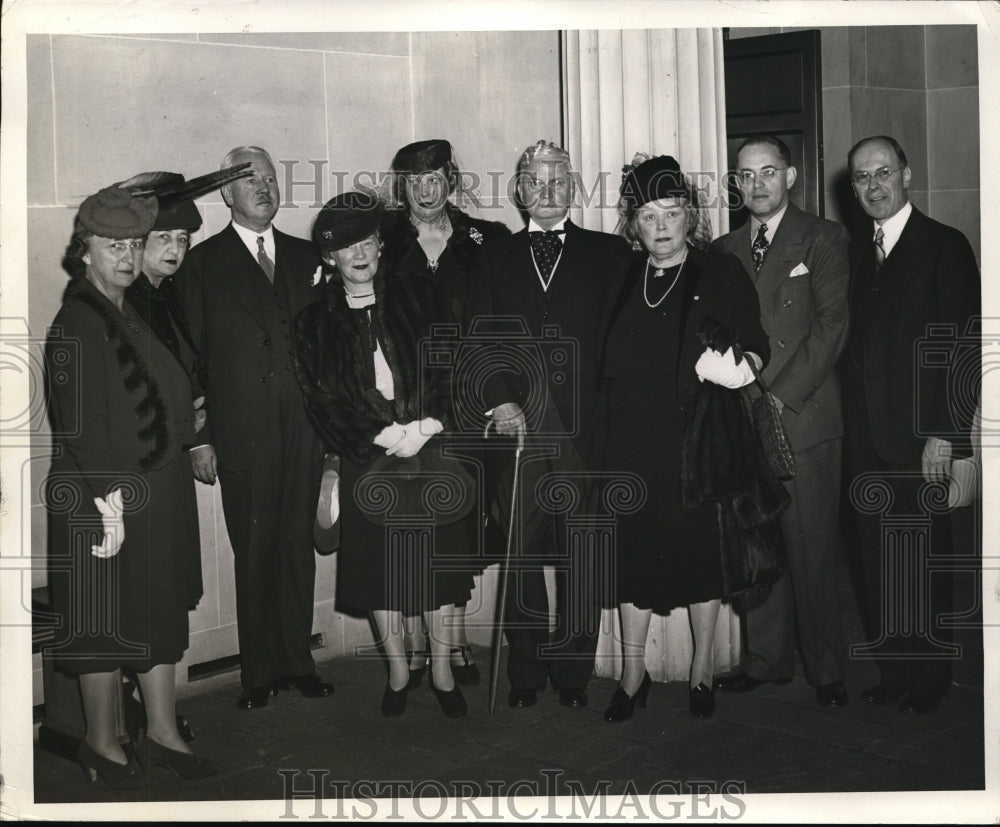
[879, 250]
[265, 263]
[759, 247]
[546, 247]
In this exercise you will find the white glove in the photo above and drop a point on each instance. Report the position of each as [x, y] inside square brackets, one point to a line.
[114, 525]
[389, 435]
[417, 434]
[721, 369]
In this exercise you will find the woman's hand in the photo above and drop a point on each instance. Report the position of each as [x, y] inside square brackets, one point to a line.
[722, 369]
[114, 525]
[390, 435]
[417, 434]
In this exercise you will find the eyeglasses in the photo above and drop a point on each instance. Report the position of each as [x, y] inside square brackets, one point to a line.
[119, 247]
[882, 175]
[748, 176]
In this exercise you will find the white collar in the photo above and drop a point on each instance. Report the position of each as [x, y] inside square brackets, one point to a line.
[249, 238]
[892, 228]
[534, 228]
[772, 224]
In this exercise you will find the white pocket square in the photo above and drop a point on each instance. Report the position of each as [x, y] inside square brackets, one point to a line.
[800, 270]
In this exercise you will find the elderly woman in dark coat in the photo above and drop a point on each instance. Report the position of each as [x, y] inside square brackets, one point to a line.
[652, 362]
[124, 552]
[427, 236]
[358, 362]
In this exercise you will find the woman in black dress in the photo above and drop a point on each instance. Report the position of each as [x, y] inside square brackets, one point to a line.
[123, 530]
[427, 236]
[358, 361]
[652, 361]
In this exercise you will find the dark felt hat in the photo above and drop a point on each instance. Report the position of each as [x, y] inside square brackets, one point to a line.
[657, 178]
[117, 213]
[347, 219]
[176, 212]
[430, 486]
[422, 156]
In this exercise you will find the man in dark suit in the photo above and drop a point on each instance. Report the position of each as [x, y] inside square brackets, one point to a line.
[798, 263]
[551, 277]
[914, 290]
[241, 290]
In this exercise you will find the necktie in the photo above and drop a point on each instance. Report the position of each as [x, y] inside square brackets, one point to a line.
[879, 250]
[546, 247]
[265, 263]
[759, 247]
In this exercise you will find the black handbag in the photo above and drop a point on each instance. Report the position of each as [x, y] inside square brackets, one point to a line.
[770, 429]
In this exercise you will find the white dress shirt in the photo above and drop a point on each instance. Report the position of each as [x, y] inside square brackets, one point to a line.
[892, 228]
[249, 237]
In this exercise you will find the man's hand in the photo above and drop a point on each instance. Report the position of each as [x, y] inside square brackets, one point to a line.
[203, 462]
[114, 525]
[936, 461]
[508, 418]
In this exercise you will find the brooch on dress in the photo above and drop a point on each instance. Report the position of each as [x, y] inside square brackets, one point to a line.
[475, 235]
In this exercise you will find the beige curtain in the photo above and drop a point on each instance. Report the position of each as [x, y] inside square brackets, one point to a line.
[658, 91]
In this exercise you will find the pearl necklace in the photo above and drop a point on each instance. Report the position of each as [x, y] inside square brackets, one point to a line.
[659, 272]
[439, 222]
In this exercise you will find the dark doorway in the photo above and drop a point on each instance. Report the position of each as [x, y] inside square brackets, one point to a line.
[774, 87]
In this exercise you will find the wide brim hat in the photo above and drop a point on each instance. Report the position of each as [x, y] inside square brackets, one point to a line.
[422, 156]
[653, 180]
[430, 487]
[114, 212]
[347, 219]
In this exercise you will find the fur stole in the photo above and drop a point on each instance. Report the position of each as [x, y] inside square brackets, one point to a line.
[135, 374]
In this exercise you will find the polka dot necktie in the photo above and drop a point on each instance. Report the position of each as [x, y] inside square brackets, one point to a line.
[546, 247]
[759, 247]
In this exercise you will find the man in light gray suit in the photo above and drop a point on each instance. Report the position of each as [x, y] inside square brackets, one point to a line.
[799, 264]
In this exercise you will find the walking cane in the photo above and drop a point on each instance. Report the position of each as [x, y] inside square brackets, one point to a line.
[504, 572]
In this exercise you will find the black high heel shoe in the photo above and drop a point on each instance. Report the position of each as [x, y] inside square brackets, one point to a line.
[452, 702]
[702, 701]
[416, 674]
[394, 701]
[622, 706]
[117, 776]
[182, 764]
[466, 672]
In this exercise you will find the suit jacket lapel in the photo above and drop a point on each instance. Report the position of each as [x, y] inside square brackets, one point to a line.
[743, 251]
[783, 255]
[528, 283]
[235, 266]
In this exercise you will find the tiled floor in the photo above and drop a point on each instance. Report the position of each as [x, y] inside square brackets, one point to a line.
[772, 740]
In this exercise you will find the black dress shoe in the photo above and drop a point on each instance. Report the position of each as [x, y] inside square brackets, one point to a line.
[452, 702]
[573, 698]
[701, 701]
[622, 706]
[919, 704]
[254, 697]
[309, 685]
[521, 698]
[831, 695]
[742, 682]
[394, 701]
[417, 672]
[882, 695]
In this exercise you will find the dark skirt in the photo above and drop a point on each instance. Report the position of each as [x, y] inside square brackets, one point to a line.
[410, 565]
[131, 609]
[666, 555]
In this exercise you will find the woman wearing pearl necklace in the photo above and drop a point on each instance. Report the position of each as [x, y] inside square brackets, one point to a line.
[651, 364]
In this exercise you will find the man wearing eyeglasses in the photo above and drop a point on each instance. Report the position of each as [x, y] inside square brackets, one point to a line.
[798, 263]
[903, 426]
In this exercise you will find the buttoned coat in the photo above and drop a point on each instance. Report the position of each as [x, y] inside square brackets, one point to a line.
[802, 287]
[244, 363]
